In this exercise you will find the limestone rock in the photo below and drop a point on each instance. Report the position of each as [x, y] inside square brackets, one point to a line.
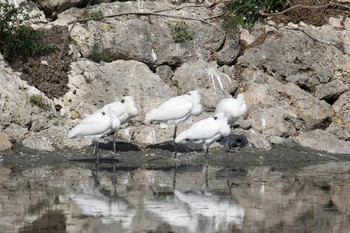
[330, 91]
[201, 75]
[321, 140]
[5, 143]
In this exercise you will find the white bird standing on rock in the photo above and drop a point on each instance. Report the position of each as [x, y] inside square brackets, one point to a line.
[125, 109]
[176, 110]
[92, 126]
[206, 131]
[232, 108]
[96, 126]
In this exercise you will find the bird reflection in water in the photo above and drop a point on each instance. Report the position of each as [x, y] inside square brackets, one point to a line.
[187, 208]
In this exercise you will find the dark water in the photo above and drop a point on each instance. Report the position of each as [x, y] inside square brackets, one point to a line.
[77, 197]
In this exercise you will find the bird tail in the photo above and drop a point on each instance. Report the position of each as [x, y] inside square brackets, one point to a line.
[150, 115]
[181, 137]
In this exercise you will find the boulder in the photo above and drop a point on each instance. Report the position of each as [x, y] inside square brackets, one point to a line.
[148, 38]
[323, 141]
[330, 91]
[280, 109]
[215, 84]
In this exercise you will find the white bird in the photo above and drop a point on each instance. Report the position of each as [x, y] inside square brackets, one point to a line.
[232, 108]
[206, 131]
[96, 126]
[176, 110]
[125, 110]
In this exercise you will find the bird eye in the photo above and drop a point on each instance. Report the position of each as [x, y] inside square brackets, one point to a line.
[123, 100]
[215, 118]
[103, 113]
[189, 93]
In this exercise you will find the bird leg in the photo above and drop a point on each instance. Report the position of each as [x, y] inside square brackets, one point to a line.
[95, 150]
[174, 177]
[206, 165]
[175, 145]
[206, 156]
[95, 175]
[206, 176]
[114, 146]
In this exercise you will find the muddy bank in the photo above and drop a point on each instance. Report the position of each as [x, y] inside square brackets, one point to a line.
[130, 156]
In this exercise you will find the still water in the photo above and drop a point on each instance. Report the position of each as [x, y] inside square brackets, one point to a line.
[80, 197]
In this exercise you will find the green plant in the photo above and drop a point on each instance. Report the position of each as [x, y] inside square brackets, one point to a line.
[12, 17]
[181, 33]
[245, 13]
[17, 38]
[94, 15]
[98, 55]
[26, 42]
[38, 100]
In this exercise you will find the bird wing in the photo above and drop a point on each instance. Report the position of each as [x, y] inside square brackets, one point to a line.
[232, 108]
[124, 111]
[173, 109]
[95, 125]
[202, 130]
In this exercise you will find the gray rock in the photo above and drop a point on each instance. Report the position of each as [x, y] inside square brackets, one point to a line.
[257, 139]
[330, 91]
[38, 141]
[230, 50]
[323, 141]
[5, 142]
[290, 52]
[276, 108]
[16, 132]
[305, 82]
[165, 73]
[147, 39]
[215, 85]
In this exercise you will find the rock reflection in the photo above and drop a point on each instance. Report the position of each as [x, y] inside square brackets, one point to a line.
[77, 198]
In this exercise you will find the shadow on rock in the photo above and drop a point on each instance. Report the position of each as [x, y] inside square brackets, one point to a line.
[181, 148]
[121, 146]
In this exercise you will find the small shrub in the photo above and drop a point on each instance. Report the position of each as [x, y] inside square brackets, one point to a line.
[12, 17]
[245, 13]
[26, 42]
[17, 38]
[98, 55]
[38, 100]
[94, 15]
[181, 33]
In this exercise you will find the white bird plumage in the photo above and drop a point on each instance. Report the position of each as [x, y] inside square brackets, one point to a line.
[125, 109]
[176, 109]
[232, 108]
[95, 126]
[206, 131]
[105, 121]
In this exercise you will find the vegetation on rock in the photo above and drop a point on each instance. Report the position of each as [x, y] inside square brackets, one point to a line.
[17, 38]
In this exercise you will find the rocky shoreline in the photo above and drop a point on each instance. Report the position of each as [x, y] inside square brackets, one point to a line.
[295, 77]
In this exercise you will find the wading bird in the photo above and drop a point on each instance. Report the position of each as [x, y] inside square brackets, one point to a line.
[176, 110]
[232, 108]
[91, 126]
[96, 126]
[206, 131]
[125, 109]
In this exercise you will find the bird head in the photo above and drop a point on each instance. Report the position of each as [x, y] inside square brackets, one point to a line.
[195, 95]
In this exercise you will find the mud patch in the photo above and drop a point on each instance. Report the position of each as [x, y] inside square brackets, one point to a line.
[47, 73]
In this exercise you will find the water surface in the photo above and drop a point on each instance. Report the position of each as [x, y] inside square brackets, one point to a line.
[82, 197]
